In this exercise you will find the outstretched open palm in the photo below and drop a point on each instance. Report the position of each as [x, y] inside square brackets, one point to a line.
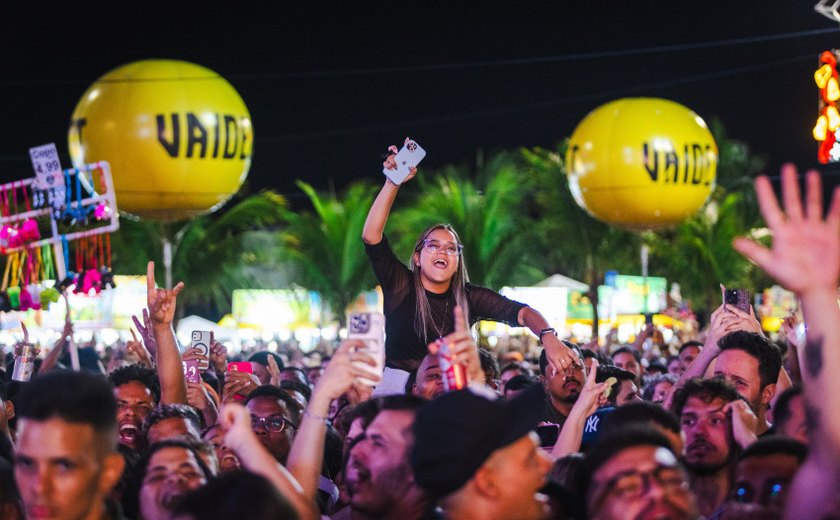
[806, 247]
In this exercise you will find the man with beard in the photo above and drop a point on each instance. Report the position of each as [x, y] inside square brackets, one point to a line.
[379, 478]
[561, 388]
[704, 408]
[137, 391]
[745, 358]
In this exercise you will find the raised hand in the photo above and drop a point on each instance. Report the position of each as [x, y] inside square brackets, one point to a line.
[462, 347]
[218, 356]
[236, 422]
[146, 332]
[274, 370]
[135, 347]
[592, 395]
[198, 355]
[744, 422]
[161, 302]
[238, 383]
[347, 366]
[805, 256]
[391, 163]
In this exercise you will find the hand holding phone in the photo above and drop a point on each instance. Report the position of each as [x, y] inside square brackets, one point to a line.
[409, 156]
[548, 434]
[370, 328]
[191, 371]
[738, 298]
[239, 366]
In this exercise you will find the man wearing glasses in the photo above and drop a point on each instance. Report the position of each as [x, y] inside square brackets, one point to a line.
[634, 474]
[275, 417]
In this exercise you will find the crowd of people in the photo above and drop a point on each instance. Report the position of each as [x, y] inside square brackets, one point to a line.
[728, 425]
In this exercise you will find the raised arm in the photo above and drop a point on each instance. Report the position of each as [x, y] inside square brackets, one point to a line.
[805, 258]
[381, 208]
[240, 438]
[66, 335]
[725, 319]
[161, 303]
[592, 396]
[307, 454]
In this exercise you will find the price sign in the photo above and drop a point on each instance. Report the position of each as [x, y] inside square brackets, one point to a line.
[48, 188]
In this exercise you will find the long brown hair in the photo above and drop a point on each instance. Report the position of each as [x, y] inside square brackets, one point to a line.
[423, 311]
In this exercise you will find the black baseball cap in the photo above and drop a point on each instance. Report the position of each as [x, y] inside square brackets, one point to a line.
[458, 431]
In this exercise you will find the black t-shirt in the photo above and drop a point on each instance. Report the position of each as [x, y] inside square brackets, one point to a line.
[402, 343]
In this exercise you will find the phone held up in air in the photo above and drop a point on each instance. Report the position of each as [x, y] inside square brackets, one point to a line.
[739, 298]
[409, 155]
[369, 327]
[240, 366]
[191, 371]
[201, 339]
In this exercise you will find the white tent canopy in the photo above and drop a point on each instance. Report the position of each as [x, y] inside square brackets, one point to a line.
[558, 280]
[188, 324]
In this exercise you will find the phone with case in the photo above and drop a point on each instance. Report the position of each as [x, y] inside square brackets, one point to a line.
[191, 371]
[410, 155]
[240, 366]
[370, 328]
[201, 339]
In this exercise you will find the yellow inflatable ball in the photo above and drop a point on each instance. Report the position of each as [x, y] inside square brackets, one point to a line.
[177, 135]
[641, 163]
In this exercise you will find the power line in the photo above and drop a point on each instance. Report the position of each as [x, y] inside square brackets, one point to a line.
[547, 59]
[639, 51]
[537, 105]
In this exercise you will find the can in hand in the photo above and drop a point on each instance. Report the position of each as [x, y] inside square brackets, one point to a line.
[454, 374]
[24, 363]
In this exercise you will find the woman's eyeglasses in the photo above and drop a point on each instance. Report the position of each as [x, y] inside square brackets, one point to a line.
[450, 248]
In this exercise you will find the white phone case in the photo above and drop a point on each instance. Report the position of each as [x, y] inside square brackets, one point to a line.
[410, 155]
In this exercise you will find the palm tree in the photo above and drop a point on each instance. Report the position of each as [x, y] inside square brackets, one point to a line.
[698, 252]
[572, 242]
[487, 208]
[212, 254]
[324, 246]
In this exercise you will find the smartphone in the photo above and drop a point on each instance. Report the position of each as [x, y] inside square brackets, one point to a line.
[548, 434]
[739, 298]
[201, 340]
[191, 371]
[409, 155]
[241, 366]
[370, 328]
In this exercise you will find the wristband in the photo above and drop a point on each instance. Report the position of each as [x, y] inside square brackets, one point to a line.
[545, 331]
[322, 418]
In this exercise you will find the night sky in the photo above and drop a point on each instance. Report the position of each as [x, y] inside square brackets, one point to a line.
[328, 86]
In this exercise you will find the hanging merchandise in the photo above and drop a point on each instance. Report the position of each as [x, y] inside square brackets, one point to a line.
[48, 294]
[44, 220]
[29, 231]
